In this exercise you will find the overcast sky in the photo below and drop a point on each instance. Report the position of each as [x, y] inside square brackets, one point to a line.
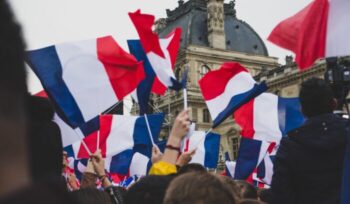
[46, 22]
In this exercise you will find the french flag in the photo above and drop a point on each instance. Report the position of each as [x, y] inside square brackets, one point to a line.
[250, 154]
[268, 117]
[161, 53]
[84, 79]
[119, 133]
[319, 30]
[207, 145]
[226, 89]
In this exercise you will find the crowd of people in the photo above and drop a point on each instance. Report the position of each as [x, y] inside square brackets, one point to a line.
[308, 165]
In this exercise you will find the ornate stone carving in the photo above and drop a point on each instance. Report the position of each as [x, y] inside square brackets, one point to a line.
[233, 7]
[160, 24]
[215, 23]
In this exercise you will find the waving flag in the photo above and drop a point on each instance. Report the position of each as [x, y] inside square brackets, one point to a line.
[264, 121]
[84, 79]
[207, 152]
[119, 133]
[226, 89]
[268, 117]
[161, 53]
[319, 30]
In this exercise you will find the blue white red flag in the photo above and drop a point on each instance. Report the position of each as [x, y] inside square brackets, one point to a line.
[268, 117]
[119, 133]
[207, 148]
[84, 79]
[161, 53]
[319, 30]
[226, 89]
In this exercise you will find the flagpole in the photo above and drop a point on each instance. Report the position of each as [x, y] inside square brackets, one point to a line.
[98, 140]
[81, 137]
[149, 130]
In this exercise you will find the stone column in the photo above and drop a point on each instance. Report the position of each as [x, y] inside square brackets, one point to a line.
[216, 31]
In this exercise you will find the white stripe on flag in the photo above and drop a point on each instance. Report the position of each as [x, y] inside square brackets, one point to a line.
[338, 41]
[240, 83]
[265, 122]
[86, 77]
[196, 139]
[138, 165]
[121, 136]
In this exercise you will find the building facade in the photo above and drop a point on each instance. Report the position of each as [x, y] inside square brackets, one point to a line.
[212, 34]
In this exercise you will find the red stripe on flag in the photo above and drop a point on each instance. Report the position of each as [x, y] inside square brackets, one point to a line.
[244, 117]
[105, 130]
[149, 40]
[304, 33]
[214, 83]
[123, 70]
[173, 49]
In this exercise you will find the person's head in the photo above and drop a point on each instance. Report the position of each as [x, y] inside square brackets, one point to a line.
[232, 185]
[44, 139]
[13, 90]
[91, 196]
[193, 167]
[250, 201]
[198, 188]
[246, 190]
[316, 97]
[264, 195]
[117, 194]
[149, 190]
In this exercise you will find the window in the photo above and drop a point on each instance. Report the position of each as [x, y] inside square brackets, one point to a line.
[194, 115]
[203, 70]
[235, 144]
[206, 116]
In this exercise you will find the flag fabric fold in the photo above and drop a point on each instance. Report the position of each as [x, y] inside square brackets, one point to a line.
[161, 53]
[84, 79]
[207, 148]
[319, 30]
[228, 88]
[119, 133]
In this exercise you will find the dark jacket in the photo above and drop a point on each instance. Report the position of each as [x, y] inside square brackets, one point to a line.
[308, 164]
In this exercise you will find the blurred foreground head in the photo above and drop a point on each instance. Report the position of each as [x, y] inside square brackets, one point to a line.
[316, 97]
[198, 188]
[13, 90]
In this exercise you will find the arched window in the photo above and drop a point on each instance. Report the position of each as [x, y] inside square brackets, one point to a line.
[203, 70]
[178, 73]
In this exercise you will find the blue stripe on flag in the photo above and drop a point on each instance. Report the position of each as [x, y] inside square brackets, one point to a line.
[211, 146]
[46, 65]
[145, 86]
[120, 163]
[142, 141]
[289, 114]
[238, 100]
[248, 156]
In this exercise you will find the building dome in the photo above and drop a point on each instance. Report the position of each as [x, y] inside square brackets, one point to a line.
[192, 18]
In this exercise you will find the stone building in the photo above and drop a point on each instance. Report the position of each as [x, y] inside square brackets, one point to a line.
[212, 34]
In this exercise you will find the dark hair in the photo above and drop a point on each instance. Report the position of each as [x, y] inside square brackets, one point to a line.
[13, 91]
[193, 167]
[232, 185]
[149, 190]
[91, 196]
[250, 201]
[117, 194]
[44, 139]
[246, 189]
[264, 195]
[316, 97]
[204, 188]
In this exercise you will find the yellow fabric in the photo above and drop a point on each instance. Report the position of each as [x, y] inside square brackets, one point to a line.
[162, 168]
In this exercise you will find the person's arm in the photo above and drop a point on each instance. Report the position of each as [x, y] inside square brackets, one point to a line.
[89, 176]
[172, 150]
[282, 181]
[99, 166]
